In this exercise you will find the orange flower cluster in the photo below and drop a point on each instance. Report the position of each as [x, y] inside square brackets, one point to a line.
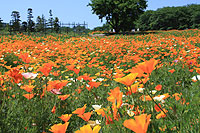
[36, 67]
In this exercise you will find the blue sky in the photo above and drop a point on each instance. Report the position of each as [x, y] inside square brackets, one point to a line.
[70, 10]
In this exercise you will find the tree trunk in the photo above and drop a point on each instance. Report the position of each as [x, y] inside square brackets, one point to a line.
[116, 30]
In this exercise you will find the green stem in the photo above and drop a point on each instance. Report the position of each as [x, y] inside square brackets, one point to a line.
[158, 105]
[3, 102]
[167, 114]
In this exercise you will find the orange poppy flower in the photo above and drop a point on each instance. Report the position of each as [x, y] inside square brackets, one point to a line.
[78, 90]
[28, 96]
[109, 120]
[115, 112]
[197, 70]
[101, 112]
[28, 88]
[25, 57]
[157, 108]
[46, 68]
[145, 98]
[132, 89]
[158, 87]
[106, 85]
[87, 129]
[177, 96]
[94, 84]
[136, 70]
[15, 74]
[147, 66]
[139, 125]
[56, 84]
[85, 77]
[70, 67]
[171, 71]
[59, 128]
[80, 111]
[53, 109]
[63, 97]
[55, 73]
[76, 71]
[161, 114]
[1, 80]
[191, 70]
[86, 116]
[65, 117]
[115, 95]
[127, 80]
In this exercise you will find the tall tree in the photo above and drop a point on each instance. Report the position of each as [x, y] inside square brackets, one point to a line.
[120, 14]
[24, 26]
[56, 26]
[30, 22]
[15, 22]
[44, 21]
[51, 20]
[1, 25]
[194, 10]
[144, 21]
[196, 19]
[40, 24]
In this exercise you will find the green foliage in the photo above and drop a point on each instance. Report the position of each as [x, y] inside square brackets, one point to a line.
[56, 24]
[30, 23]
[144, 20]
[15, 22]
[40, 23]
[168, 18]
[173, 83]
[105, 27]
[1, 25]
[24, 26]
[51, 22]
[119, 14]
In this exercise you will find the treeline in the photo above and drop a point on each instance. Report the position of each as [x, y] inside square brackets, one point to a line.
[167, 18]
[43, 25]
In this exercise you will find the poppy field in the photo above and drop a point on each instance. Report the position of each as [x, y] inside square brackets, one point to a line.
[131, 83]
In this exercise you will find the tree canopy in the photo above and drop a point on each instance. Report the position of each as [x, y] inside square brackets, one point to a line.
[30, 22]
[41, 25]
[15, 22]
[119, 14]
[167, 18]
[0, 23]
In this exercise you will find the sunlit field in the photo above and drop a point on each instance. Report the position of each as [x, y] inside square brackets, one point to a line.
[119, 83]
